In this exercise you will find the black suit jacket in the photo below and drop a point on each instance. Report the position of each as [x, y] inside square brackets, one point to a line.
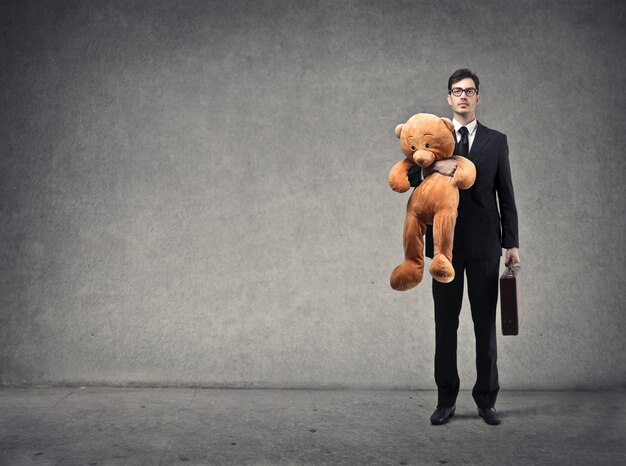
[482, 229]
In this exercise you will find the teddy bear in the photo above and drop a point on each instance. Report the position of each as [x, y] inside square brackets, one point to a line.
[424, 139]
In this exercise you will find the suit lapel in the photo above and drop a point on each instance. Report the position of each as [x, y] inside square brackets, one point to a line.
[456, 144]
[481, 138]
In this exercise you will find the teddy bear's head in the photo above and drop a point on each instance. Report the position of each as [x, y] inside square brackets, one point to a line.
[425, 138]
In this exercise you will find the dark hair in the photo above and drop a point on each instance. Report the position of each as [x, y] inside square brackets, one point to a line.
[462, 74]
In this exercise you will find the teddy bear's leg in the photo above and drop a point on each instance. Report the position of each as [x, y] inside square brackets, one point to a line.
[441, 267]
[408, 274]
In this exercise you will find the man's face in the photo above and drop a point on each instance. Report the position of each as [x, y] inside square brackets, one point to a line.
[464, 105]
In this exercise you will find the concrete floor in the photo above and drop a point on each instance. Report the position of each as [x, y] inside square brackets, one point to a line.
[166, 426]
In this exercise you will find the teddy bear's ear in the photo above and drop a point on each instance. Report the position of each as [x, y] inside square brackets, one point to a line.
[399, 129]
[448, 123]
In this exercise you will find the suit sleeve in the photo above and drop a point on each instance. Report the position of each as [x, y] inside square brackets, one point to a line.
[506, 199]
[415, 176]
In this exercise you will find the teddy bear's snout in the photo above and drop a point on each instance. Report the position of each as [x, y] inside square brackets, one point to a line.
[423, 158]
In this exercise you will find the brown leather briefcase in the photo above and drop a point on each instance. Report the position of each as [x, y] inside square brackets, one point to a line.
[511, 301]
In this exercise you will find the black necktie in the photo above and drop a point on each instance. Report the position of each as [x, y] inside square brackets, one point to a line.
[464, 145]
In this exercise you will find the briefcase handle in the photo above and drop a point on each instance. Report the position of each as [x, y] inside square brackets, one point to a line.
[510, 269]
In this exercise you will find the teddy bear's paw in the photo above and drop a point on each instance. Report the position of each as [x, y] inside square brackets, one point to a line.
[441, 269]
[399, 185]
[406, 276]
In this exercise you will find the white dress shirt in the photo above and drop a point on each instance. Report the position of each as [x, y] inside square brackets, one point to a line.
[471, 128]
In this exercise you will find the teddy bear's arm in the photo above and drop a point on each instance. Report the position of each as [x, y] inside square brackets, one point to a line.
[465, 173]
[398, 176]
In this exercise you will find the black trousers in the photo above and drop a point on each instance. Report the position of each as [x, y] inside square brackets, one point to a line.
[482, 288]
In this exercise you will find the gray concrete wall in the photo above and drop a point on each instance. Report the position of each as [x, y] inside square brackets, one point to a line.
[194, 193]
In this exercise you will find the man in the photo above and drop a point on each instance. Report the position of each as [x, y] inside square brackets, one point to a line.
[480, 234]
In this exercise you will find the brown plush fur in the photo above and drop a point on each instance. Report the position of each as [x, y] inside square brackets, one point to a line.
[425, 138]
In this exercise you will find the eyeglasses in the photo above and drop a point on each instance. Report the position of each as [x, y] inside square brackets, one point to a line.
[457, 91]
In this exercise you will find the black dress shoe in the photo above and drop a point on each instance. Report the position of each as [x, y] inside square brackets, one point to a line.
[490, 416]
[441, 415]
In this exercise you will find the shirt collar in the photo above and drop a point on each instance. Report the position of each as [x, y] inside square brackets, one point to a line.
[471, 127]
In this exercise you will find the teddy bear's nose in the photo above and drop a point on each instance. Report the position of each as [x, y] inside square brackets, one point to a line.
[423, 158]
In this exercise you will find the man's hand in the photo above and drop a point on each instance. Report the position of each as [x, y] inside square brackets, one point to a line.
[512, 255]
[446, 167]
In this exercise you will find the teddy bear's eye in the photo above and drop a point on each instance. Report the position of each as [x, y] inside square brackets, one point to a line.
[427, 146]
[412, 147]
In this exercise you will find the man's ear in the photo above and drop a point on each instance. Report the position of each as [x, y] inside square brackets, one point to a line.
[448, 123]
[399, 130]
